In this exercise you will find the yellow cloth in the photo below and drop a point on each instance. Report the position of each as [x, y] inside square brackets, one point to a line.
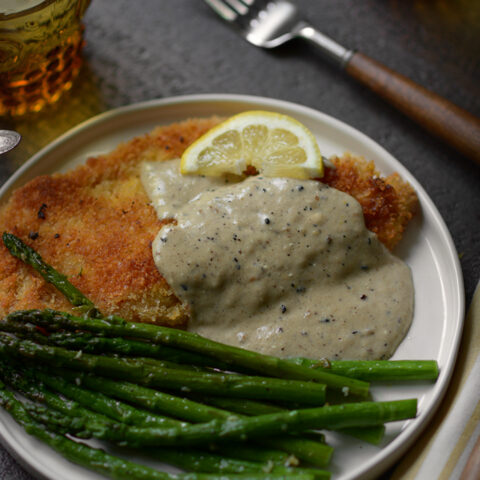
[444, 448]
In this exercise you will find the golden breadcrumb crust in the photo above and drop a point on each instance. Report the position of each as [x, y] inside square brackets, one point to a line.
[95, 225]
[388, 203]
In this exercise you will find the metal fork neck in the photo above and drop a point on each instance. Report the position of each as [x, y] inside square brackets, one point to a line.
[333, 51]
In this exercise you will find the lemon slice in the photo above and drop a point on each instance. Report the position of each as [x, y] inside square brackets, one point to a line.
[276, 145]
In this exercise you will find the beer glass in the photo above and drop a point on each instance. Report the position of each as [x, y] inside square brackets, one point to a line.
[40, 51]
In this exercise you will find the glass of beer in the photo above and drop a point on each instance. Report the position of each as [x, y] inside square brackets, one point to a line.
[40, 51]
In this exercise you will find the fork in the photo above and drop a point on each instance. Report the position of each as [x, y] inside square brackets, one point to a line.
[271, 23]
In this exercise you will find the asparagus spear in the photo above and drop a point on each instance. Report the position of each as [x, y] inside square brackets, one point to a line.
[367, 370]
[144, 397]
[187, 459]
[211, 463]
[315, 452]
[241, 429]
[57, 421]
[28, 255]
[366, 413]
[243, 407]
[311, 450]
[107, 409]
[99, 461]
[157, 436]
[210, 383]
[375, 370]
[90, 343]
[31, 384]
[113, 326]
[329, 417]
[373, 434]
[253, 453]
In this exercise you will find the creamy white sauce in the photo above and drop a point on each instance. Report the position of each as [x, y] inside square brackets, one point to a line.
[168, 190]
[281, 266]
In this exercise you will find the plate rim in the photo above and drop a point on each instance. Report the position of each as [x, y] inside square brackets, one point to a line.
[398, 445]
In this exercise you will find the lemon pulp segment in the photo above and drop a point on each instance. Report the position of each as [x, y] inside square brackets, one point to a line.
[276, 145]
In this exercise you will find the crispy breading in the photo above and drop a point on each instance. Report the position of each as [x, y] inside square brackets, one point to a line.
[95, 225]
[388, 203]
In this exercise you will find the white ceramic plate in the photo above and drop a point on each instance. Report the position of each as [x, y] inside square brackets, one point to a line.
[427, 248]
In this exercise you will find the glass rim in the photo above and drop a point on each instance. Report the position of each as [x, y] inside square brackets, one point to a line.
[27, 11]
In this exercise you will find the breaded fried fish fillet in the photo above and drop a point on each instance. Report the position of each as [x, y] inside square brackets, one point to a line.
[95, 225]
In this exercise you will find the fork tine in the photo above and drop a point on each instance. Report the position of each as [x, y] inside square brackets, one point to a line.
[238, 6]
[222, 9]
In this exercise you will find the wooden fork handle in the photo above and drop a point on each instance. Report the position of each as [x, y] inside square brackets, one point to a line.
[452, 124]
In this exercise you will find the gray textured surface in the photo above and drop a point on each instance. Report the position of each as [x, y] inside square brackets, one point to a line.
[150, 49]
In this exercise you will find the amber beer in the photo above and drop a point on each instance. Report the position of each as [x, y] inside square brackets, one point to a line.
[40, 51]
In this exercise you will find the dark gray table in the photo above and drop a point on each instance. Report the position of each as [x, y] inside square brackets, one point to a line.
[151, 49]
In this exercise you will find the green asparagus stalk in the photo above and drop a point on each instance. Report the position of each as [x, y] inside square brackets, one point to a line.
[367, 370]
[328, 417]
[375, 370]
[211, 463]
[31, 332]
[106, 409]
[373, 435]
[114, 326]
[243, 407]
[39, 393]
[307, 393]
[311, 450]
[241, 429]
[187, 459]
[57, 421]
[90, 343]
[143, 397]
[114, 467]
[31, 384]
[29, 256]
[279, 443]
[255, 454]
[366, 413]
